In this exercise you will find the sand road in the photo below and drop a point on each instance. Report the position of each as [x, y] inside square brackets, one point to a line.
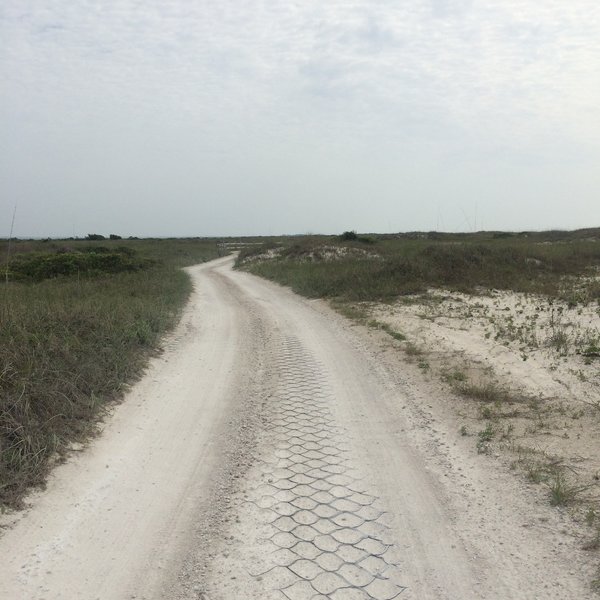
[269, 452]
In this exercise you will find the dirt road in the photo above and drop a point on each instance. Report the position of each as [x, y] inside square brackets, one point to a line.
[272, 451]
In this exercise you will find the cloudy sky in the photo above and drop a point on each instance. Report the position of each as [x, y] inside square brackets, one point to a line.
[173, 117]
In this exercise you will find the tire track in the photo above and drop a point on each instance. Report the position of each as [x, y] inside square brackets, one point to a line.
[308, 524]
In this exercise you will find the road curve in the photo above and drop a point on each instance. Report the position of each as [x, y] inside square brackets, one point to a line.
[265, 454]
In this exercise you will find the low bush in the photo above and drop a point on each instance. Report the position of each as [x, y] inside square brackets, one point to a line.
[91, 263]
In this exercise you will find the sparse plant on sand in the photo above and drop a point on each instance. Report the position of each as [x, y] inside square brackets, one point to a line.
[562, 491]
[484, 437]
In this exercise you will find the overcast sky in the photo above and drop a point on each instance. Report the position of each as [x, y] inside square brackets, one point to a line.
[158, 117]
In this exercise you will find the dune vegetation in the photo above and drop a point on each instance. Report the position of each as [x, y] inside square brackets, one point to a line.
[381, 268]
[78, 321]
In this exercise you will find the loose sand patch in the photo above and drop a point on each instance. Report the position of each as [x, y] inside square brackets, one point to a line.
[537, 361]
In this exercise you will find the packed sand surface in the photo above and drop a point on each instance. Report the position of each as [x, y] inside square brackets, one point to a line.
[276, 450]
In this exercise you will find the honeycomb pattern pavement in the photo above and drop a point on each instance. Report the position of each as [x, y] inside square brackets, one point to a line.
[320, 530]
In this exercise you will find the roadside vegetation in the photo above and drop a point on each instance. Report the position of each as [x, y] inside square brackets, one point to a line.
[381, 268]
[78, 322]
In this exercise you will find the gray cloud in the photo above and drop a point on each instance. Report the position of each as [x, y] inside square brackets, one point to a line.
[256, 117]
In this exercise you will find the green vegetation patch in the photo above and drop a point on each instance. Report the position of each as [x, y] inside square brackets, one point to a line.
[342, 267]
[90, 262]
[75, 330]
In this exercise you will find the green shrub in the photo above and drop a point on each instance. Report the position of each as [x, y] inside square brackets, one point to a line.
[94, 262]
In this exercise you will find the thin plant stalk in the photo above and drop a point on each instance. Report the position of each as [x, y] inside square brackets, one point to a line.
[12, 226]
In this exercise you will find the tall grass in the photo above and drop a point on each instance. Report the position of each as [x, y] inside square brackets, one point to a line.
[395, 267]
[71, 344]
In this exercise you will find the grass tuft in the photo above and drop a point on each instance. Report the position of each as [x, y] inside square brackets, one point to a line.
[397, 335]
[487, 391]
[562, 492]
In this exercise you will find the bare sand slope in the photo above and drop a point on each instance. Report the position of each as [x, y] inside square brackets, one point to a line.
[271, 452]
